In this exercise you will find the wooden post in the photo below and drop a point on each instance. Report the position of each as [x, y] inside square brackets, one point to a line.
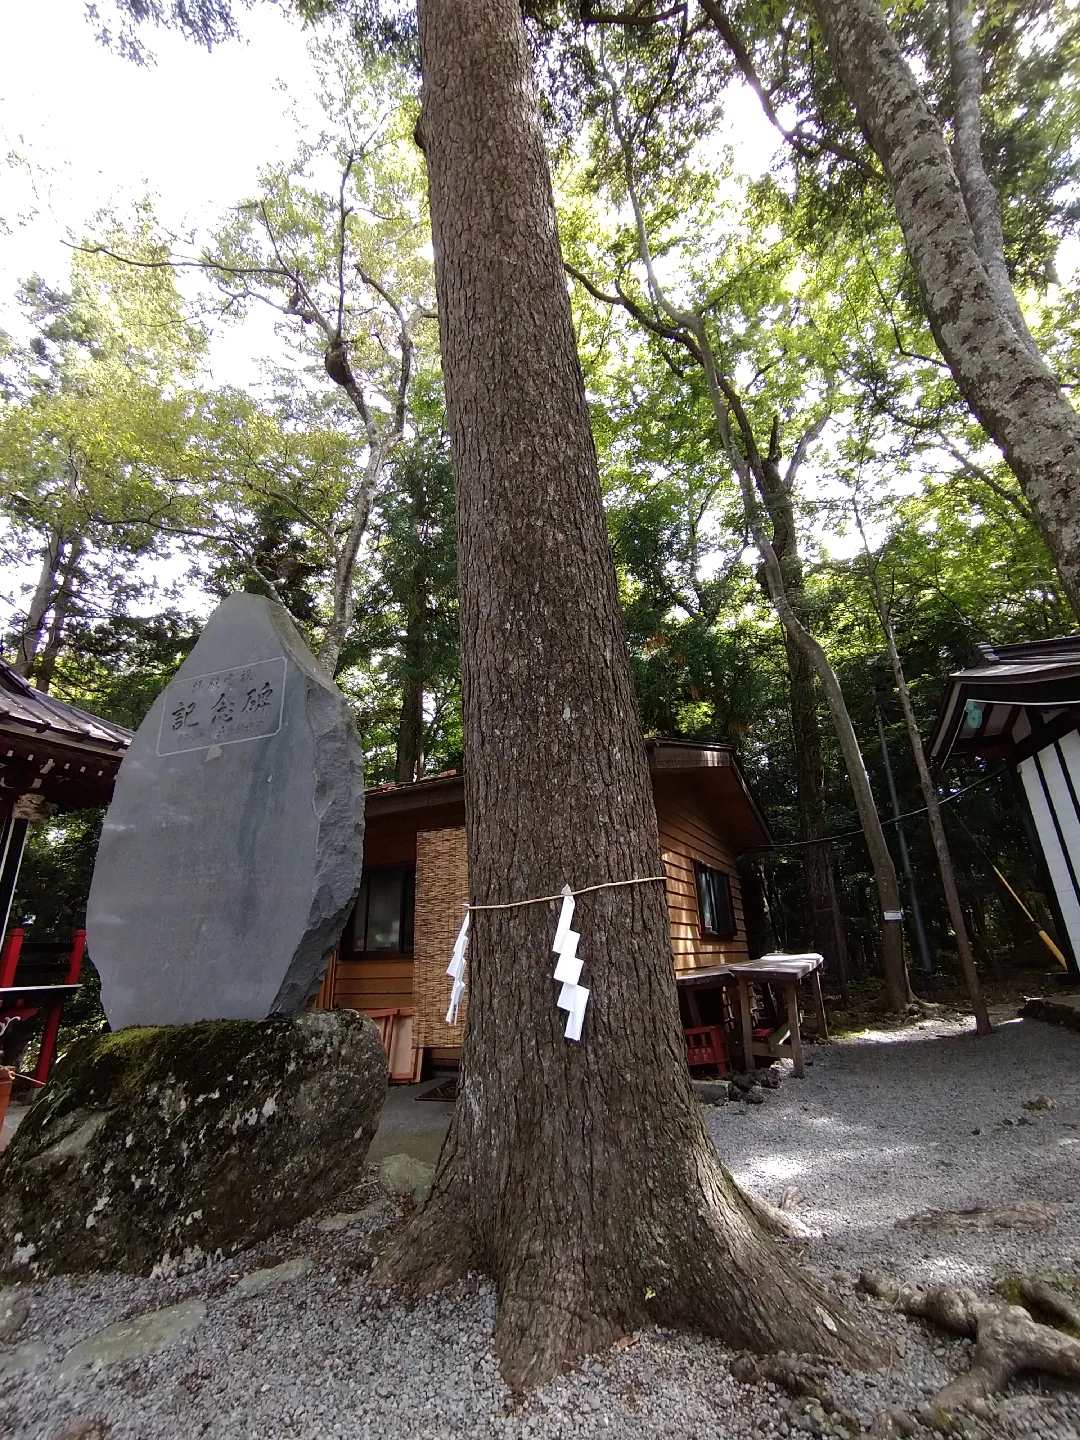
[9, 958]
[819, 1006]
[746, 1022]
[47, 1052]
[791, 1003]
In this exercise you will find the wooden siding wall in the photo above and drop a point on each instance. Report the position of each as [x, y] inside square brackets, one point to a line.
[383, 983]
[689, 833]
[442, 887]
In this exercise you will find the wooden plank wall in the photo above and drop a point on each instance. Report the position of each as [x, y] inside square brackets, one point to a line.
[688, 832]
[383, 984]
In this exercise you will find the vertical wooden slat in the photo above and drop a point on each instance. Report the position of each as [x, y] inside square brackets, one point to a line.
[324, 1000]
[442, 888]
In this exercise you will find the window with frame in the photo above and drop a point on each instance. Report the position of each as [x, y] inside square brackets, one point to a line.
[714, 902]
[383, 918]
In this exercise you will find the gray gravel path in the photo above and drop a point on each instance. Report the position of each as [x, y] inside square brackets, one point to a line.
[880, 1128]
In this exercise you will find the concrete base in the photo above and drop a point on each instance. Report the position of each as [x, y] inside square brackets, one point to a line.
[409, 1127]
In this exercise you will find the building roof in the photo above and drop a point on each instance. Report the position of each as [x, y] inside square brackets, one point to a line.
[711, 769]
[1005, 695]
[53, 750]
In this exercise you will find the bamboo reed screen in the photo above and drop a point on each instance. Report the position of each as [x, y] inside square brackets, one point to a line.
[442, 887]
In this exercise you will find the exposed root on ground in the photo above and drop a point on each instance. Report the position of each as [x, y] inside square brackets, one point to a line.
[771, 1218]
[800, 1375]
[1007, 1340]
[1041, 1298]
[1016, 1215]
[433, 1251]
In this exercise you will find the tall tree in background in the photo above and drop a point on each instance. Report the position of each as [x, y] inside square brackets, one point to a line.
[766, 486]
[946, 206]
[96, 406]
[642, 1221]
[335, 243]
[951, 223]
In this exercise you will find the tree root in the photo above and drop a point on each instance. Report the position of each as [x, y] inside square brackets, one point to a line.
[1041, 1298]
[773, 1220]
[800, 1375]
[716, 1270]
[1007, 1339]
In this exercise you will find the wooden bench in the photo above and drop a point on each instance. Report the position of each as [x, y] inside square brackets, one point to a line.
[783, 973]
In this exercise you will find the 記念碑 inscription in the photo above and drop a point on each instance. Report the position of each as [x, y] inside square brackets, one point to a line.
[221, 708]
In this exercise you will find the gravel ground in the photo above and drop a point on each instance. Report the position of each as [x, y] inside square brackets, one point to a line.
[882, 1127]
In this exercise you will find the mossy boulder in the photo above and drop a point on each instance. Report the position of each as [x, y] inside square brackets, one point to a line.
[153, 1150]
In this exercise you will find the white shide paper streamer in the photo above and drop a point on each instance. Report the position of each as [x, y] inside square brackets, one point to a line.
[573, 997]
[456, 970]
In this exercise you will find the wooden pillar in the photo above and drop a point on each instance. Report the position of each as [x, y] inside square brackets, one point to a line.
[14, 843]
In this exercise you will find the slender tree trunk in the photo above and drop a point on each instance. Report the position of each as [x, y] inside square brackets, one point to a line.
[937, 833]
[343, 594]
[410, 742]
[29, 641]
[410, 746]
[579, 1176]
[827, 926]
[897, 986]
[1015, 397]
[760, 935]
[46, 664]
[826, 923]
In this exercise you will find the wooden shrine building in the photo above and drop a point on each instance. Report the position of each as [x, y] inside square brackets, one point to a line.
[393, 955]
[53, 758]
[1021, 704]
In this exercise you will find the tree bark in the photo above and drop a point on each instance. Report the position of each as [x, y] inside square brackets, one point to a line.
[29, 641]
[579, 1176]
[45, 668]
[1011, 391]
[980, 197]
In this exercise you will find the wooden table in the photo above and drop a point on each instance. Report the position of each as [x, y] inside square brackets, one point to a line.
[785, 973]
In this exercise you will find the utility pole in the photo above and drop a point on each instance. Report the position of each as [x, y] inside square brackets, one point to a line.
[905, 859]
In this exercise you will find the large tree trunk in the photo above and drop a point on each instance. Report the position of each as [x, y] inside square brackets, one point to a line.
[579, 1176]
[1015, 397]
[980, 197]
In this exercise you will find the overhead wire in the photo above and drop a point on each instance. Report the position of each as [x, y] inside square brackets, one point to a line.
[891, 820]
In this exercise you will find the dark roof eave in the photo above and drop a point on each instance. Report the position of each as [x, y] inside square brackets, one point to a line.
[433, 790]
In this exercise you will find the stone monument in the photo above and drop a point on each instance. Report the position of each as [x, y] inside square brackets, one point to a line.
[230, 856]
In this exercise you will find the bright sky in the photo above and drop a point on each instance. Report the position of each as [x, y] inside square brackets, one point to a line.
[191, 132]
[96, 130]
